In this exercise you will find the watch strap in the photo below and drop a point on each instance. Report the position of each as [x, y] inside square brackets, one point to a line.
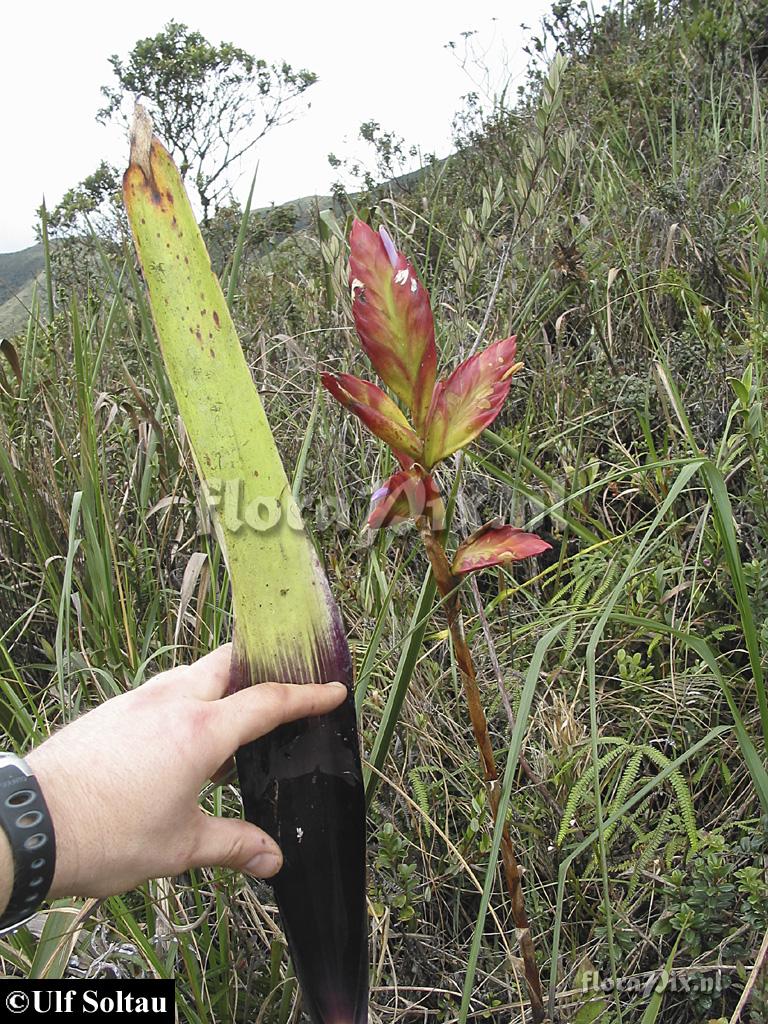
[25, 819]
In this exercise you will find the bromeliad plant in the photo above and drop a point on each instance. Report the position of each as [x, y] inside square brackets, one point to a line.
[394, 322]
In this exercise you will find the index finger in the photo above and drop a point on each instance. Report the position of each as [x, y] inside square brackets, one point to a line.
[257, 710]
[210, 674]
[206, 679]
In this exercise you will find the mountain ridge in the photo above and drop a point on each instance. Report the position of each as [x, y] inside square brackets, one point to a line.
[21, 270]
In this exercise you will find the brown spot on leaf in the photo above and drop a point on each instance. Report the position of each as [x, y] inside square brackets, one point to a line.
[216, 318]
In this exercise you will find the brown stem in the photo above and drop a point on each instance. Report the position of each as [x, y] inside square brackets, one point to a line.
[525, 766]
[447, 584]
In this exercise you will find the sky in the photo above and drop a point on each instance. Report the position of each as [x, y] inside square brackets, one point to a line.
[388, 63]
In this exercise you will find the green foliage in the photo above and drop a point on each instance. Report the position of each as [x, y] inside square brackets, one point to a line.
[96, 203]
[715, 902]
[627, 250]
[476, 836]
[628, 782]
[261, 231]
[400, 882]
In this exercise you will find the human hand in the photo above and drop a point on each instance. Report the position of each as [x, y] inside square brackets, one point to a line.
[122, 782]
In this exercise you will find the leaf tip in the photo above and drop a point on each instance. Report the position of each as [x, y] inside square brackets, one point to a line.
[141, 140]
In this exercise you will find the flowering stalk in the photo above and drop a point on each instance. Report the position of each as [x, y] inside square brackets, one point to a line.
[394, 322]
[448, 586]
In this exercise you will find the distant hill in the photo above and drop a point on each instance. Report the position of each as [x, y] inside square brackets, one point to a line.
[18, 273]
[17, 268]
[304, 208]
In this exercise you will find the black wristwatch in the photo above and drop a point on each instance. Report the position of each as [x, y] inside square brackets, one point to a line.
[25, 819]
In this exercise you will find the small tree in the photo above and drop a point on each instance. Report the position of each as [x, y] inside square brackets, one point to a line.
[210, 104]
[392, 159]
[92, 207]
[96, 202]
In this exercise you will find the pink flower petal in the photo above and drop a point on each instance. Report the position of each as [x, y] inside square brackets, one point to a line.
[407, 494]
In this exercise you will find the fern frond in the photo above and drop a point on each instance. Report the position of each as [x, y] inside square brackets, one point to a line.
[682, 793]
[420, 795]
[609, 578]
[576, 601]
[626, 783]
[579, 791]
[652, 843]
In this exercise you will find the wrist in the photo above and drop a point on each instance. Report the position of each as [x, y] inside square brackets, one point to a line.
[43, 763]
[6, 871]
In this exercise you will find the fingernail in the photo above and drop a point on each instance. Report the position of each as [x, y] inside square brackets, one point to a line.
[337, 685]
[264, 865]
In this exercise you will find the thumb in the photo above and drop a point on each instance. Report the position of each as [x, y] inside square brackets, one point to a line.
[232, 843]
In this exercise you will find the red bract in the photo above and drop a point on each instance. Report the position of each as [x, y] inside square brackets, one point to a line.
[394, 321]
[406, 495]
[469, 400]
[377, 411]
[494, 544]
[393, 318]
